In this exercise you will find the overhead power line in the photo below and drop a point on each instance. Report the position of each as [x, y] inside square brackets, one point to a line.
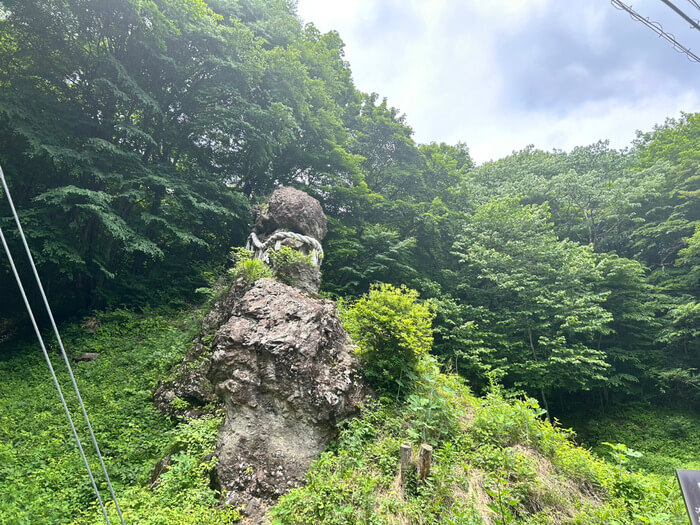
[63, 353]
[658, 29]
[679, 12]
[694, 4]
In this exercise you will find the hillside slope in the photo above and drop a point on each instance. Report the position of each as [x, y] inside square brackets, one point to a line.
[495, 460]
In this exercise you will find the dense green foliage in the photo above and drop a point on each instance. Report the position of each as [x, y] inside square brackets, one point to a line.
[103, 139]
[494, 456]
[247, 267]
[541, 315]
[42, 478]
[394, 335]
[666, 438]
[495, 459]
[136, 134]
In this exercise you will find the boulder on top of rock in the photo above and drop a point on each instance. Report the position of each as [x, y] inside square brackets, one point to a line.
[293, 210]
[292, 220]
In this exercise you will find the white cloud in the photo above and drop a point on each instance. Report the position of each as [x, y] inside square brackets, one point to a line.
[617, 121]
[506, 12]
[502, 74]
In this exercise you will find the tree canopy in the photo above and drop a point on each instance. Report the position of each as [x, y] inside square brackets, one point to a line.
[136, 134]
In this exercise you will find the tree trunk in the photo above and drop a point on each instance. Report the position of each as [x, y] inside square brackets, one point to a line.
[425, 457]
[532, 344]
[406, 453]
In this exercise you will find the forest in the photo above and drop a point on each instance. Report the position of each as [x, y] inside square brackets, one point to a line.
[137, 135]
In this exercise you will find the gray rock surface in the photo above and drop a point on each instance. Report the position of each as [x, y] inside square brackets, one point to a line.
[293, 210]
[286, 372]
[86, 356]
[189, 380]
[300, 274]
[283, 367]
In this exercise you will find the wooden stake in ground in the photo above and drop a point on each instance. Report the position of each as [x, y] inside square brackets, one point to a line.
[406, 451]
[425, 456]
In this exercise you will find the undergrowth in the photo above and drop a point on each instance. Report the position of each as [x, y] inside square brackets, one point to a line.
[496, 461]
[42, 478]
[667, 438]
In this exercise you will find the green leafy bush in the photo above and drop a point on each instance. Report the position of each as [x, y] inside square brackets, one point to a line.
[393, 333]
[431, 404]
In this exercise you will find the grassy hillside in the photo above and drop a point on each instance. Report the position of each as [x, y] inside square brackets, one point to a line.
[495, 460]
[43, 480]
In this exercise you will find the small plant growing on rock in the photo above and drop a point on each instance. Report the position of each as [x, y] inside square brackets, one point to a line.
[248, 268]
[288, 264]
[393, 332]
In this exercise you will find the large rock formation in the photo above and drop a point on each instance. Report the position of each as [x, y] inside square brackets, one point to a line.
[281, 364]
[294, 210]
[285, 370]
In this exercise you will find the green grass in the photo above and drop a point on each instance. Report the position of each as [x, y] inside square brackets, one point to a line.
[42, 478]
[495, 461]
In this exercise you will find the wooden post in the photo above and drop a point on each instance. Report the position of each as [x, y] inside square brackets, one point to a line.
[425, 456]
[406, 451]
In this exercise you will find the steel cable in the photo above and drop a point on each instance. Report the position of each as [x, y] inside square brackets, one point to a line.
[656, 27]
[53, 373]
[682, 14]
[62, 348]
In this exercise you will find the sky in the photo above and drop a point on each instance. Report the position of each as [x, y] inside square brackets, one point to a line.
[502, 74]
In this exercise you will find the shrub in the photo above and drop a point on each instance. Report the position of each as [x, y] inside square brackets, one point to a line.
[393, 333]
